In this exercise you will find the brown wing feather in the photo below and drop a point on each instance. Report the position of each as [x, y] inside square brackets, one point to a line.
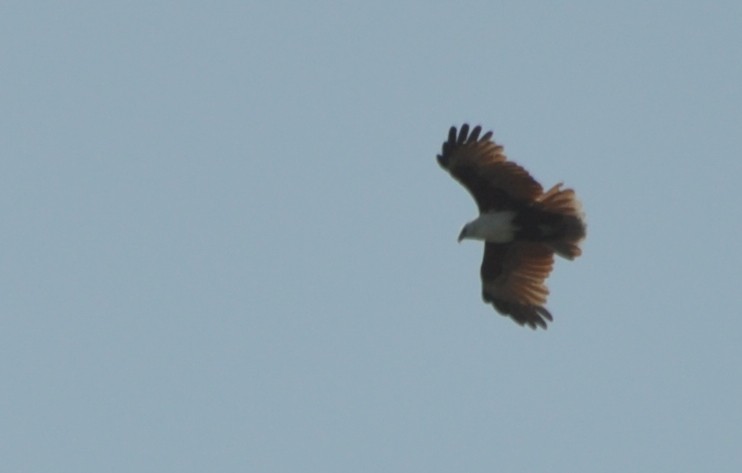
[481, 166]
[513, 276]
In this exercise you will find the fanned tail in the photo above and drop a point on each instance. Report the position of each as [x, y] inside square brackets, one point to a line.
[571, 228]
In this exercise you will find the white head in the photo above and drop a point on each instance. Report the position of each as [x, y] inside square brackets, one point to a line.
[495, 227]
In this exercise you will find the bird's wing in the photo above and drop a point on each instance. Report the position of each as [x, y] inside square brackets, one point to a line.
[513, 276]
[481, 166]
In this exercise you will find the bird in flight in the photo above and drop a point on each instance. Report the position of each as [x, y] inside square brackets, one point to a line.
[521, 225]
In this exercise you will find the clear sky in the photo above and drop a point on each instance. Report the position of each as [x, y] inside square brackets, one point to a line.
[227, 246]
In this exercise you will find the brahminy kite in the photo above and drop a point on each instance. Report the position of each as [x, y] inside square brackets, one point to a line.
[521, 225]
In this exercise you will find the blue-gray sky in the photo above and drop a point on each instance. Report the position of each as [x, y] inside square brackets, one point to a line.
[227, 246]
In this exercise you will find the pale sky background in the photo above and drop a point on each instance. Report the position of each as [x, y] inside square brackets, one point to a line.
[227, 246]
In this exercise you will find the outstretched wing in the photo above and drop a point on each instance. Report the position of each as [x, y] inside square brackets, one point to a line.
[513, 276]
[481, 166]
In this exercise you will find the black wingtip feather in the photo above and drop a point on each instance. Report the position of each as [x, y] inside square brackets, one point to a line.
[474, 135]
[463, 133]
[522, 314]
[459, 137]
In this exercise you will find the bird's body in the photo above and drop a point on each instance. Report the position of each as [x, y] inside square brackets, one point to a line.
[522, 226]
